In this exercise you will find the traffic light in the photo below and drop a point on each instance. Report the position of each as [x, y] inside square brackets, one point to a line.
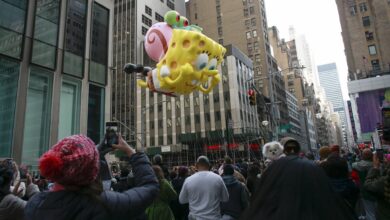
[252, 99]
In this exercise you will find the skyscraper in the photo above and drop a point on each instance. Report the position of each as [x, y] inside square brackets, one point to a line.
[329, 80]
[54, 73]
[366, 30]
[244, 25]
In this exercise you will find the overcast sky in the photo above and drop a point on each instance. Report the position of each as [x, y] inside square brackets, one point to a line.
[318, 20]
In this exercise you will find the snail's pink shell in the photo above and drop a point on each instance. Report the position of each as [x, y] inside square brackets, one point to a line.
[157, 40]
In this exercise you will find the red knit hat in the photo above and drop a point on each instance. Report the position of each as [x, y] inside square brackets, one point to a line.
[73, 161]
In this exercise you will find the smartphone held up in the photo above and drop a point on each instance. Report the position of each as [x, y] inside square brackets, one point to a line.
[111, 136]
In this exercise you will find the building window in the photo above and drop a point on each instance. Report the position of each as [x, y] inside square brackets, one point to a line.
[45, 33]
[372, 49]
[375, 65]
[219, 20]
[152, 125]
[220, 33]
[248, 35]
[246, 13]
[95, 128]
[170, 5]
[75, 37]
[220, 41]
[148, 10]
[253, 21]
[197, 102]
[256, 46]
[158, 17]
[366, 21]
[144, 30]
[369, 35]
[69, 108]
[197, 119]
[247, 23]
[363, 7]
[99, 45]
[196, 16]
[169, 123]
[353, 10]
[146, 21]
[186, 102]
[9, 75]
[12, 21]
[254, 33]
[217, 116]
[207, 117]
[38, 111]
[257, 58]
[249, 46]
[251, 10]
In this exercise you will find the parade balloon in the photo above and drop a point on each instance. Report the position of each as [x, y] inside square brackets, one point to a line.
[187, 59]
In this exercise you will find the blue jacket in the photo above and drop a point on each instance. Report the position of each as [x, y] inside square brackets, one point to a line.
[66, 205]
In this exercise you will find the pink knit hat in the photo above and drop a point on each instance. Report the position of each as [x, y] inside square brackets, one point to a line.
[73, 161]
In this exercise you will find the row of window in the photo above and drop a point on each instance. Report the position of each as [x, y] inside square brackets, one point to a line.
[362, 6]
[43, 62]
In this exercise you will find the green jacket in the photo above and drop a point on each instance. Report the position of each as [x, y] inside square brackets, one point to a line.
[159, 209]
[375, 183]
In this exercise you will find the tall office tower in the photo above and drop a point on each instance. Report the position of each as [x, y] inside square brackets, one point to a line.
[240, 23]
[54, 61]
[220, 122]
[366, 30]
[244, 24]
[329, 80]
[132, 20]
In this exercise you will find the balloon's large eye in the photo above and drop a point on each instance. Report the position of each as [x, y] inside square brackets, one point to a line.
[177, 18]
[201, 61]
[213, 64]
[185, 23]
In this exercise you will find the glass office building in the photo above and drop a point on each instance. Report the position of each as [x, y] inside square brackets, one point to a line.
[55, 60]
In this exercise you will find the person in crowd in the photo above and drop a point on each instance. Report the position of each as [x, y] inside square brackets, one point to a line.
[123, 182]
[291, 146]
[159, 209]
[253, 177]
[180, 211]
[336, 168]
[309, 155]
[238, 195]
[379, 185]
[361, 168]
[204, 191]
[237, 174]
[324, 152]
[73, 165]
[11, 205]
[295, 189]
[158, 160]
[335, 149]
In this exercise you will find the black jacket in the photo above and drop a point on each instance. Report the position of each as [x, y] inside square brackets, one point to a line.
[238, 197]
[66, 205]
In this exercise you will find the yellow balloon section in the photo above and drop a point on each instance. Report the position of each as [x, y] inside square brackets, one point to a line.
[189, 64]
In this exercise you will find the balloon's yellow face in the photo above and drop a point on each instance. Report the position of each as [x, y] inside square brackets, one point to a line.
[190, 62]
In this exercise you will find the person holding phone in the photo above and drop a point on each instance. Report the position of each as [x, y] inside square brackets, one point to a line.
[76, 166]
[378, 182]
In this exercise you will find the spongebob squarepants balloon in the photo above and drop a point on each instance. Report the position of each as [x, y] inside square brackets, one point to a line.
[187, 59]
